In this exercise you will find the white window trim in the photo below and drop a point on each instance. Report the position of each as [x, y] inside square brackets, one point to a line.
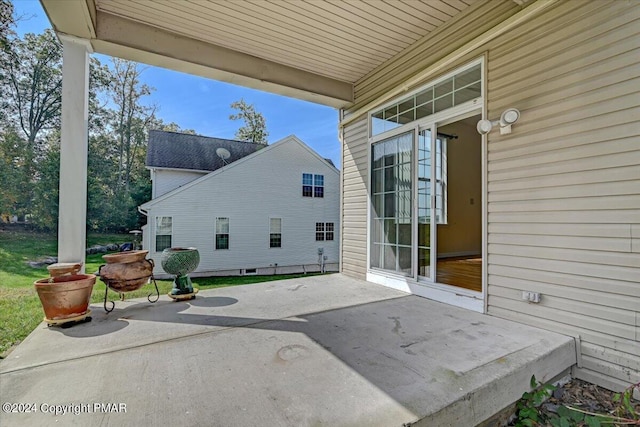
[155, 232]
[433, 117]
[324, 231]
[313, 185]
[271, 232]
[228, 233]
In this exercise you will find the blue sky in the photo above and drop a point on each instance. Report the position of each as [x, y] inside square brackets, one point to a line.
[204, 105]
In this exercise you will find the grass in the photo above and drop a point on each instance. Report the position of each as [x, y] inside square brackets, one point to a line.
[20, 309]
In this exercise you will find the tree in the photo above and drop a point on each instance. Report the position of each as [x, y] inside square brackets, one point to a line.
[158, 124]
[31, 89]
[32, 72]
[118, 181]
[44, 206]
[13, 195]
[255, 128]
[6, 22]
[131, 117]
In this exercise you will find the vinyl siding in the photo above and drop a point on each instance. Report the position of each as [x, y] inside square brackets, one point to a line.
[168, 180]
[564, 188]
[250, 191]
[563, 194]
[355, 196]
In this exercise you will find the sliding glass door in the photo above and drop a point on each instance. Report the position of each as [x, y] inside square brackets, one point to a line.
[392, 188]
[402, 231]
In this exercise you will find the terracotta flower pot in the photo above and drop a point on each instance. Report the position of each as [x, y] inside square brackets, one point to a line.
[125, 257]
[127, 277]
[65, 297]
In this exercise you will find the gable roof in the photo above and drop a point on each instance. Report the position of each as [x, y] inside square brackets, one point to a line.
[175, 150]
[291, 138]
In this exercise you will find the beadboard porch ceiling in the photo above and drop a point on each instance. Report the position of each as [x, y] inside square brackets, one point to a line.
[309, 49]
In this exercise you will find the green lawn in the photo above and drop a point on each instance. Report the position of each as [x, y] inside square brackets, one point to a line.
[20, 309]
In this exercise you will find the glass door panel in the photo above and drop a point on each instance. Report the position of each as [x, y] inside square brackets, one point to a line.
[424, 203]
[391, 188]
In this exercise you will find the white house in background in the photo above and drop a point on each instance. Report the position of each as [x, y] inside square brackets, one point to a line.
[274, 210]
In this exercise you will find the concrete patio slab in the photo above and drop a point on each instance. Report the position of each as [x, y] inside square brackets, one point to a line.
[324, 350]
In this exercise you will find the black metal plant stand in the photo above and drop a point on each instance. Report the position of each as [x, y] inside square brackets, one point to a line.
[124, 283]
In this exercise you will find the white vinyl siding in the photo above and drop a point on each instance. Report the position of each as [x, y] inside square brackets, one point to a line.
[166, 180]
[355, 159]
[564, 189]
[563, 194]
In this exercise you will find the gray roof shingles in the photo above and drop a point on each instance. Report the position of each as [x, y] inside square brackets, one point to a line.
[194, 152]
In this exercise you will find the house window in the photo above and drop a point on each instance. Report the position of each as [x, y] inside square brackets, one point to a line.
[312, 185]
[463, 86]
[275, 233]
[222, 233]
[328, 231]
[307, 185]
[324, 231]
[318, 186]
[164, 230]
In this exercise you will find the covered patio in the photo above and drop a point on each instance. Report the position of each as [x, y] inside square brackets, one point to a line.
[550, 227]
[324, 350]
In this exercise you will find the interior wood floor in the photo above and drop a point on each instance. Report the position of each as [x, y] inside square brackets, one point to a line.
[463, 272]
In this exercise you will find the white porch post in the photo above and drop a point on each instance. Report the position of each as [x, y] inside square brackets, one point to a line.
[72, 221]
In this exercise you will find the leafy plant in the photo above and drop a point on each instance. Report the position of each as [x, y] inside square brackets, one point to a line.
[527, 411]
[625, 408]
[626, 414]
[570, 417]
[529, 415]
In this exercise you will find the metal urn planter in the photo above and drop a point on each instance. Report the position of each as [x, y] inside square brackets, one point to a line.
[127, 272]
[180, 262]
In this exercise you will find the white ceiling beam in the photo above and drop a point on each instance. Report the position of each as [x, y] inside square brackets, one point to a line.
[73, 17]
[117, 36]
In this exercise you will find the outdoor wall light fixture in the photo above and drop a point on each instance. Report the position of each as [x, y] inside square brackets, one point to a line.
[507, 118]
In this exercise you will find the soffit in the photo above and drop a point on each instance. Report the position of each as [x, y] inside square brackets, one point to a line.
[343, 40]
[340, 39]
[309, 49]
